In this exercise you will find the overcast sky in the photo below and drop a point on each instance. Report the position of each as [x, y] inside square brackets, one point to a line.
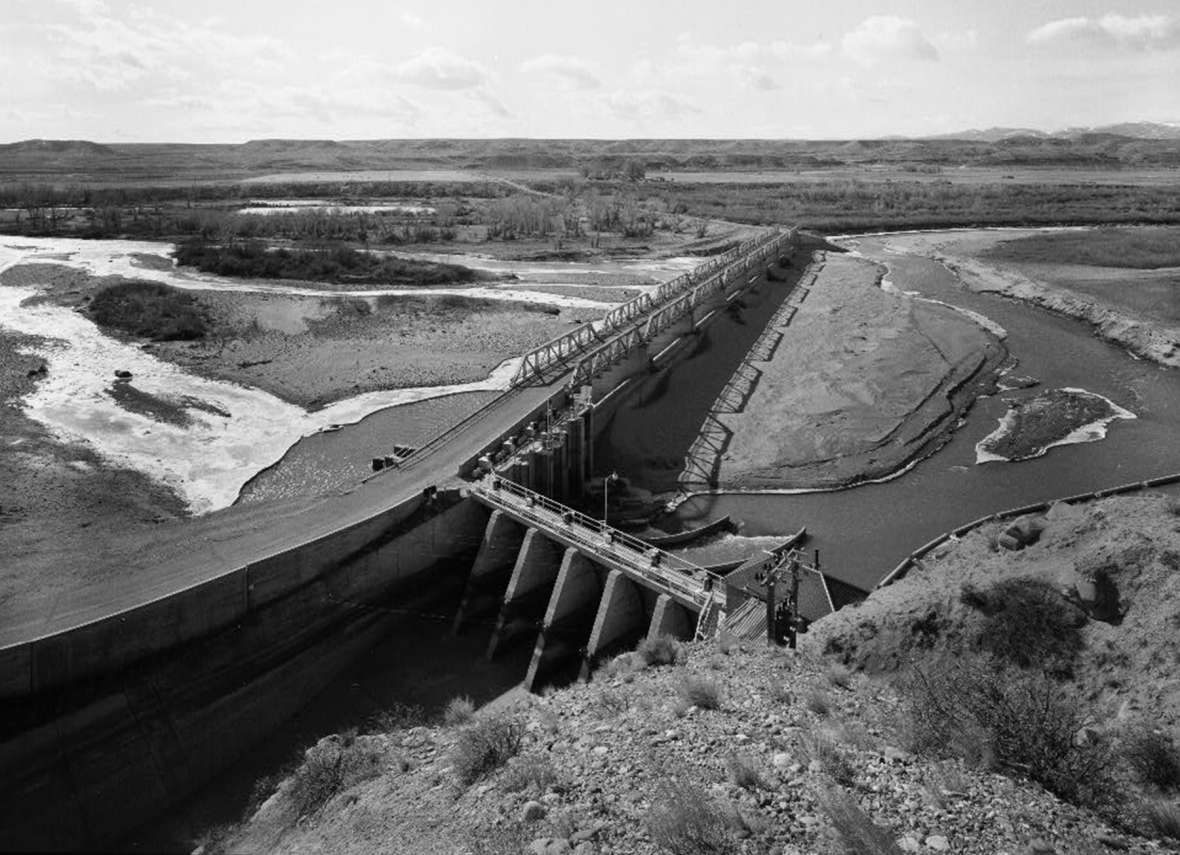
[233, 70]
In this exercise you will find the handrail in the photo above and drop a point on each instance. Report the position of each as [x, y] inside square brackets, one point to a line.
[624, 313]
[690, 580]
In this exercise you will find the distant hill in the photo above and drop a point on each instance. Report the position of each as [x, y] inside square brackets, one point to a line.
[60, 148]
[1138, 144]
[1134, 130]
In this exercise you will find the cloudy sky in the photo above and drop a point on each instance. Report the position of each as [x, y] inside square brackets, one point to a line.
[232, 70]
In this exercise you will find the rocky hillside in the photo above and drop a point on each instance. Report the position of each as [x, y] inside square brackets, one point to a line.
[1044, 738]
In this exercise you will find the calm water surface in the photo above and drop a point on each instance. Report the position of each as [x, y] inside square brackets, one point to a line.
[864, 532]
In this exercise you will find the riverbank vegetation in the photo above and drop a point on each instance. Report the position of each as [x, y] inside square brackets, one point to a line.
[333, 262]
[148, 310]
[1138, 248]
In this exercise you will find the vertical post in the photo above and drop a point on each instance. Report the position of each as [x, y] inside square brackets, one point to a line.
[771, 623]
[794, 603]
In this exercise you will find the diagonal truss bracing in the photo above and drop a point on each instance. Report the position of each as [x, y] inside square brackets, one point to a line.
[671, 301]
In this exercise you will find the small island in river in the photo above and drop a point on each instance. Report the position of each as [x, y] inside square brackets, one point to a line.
[1055, 417]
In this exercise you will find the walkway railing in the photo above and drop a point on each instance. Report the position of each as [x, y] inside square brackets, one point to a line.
[671, 300]
[671, 573]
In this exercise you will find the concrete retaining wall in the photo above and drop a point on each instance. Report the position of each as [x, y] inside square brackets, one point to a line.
[104, 647]
[83, 764]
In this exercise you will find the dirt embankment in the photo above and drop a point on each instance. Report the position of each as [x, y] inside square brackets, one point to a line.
[1123, 551]
[1144, 339]
[1130, 307]
[862, 382]
[732, 749]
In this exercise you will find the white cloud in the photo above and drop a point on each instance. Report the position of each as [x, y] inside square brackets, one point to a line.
[438, 68]
[882, 38]
[749, 64]
[788, 50]
[567, 69]
[1145, 32]
[752, 78]
[647, 105]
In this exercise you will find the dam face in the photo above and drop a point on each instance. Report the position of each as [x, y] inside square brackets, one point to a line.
[109, 723]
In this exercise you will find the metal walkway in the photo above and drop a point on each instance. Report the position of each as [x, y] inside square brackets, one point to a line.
[682, 580]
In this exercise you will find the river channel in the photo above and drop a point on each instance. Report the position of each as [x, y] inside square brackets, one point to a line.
[863, 532]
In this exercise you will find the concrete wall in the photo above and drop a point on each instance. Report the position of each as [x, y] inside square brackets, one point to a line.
[83, 764]
[104, 647]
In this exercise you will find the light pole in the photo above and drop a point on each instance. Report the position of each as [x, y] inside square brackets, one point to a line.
[606, 482]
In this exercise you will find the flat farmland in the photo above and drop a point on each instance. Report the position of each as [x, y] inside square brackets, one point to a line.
[1059, 176]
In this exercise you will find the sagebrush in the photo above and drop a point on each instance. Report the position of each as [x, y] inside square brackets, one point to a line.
[486, 745]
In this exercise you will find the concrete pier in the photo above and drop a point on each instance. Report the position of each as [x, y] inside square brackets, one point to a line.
[529, 590]
[570, 616]
[670, 618]
[493, 564]
[621, 619]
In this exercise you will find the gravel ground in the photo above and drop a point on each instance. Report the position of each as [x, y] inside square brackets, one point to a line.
[793, 750]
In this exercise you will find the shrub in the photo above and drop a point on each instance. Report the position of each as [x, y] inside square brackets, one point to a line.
[819, 703]
[662, 650]
[831, 757]
[148, 310]
[857, 831]
[1027, 623]
[398, 716]
[531, 770]
[1162, 819]
[485, 746]
[838, 676]
[330, 767]
[683, 820]
[611, 703]
[459, 711]
[779, 692]
[325, 263]
[1020, 721]
[701, 692]
[1153, 757]
[743, 772]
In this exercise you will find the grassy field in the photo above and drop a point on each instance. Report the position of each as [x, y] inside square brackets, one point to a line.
[964, 174]
[1138, 248]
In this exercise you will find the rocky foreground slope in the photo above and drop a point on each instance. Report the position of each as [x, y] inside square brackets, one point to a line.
[726, 747]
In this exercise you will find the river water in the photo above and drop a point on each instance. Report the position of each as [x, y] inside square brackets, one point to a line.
[863, 532]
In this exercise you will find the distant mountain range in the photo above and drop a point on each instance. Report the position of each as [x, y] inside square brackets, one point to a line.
[1134, 130]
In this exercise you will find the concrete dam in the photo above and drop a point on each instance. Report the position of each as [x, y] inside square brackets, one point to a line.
[116, 708]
